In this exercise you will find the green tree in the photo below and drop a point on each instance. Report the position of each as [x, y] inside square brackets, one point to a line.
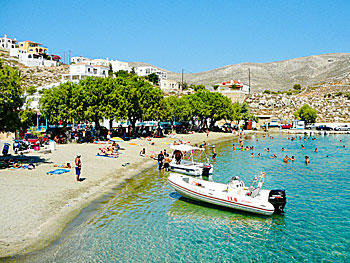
[154, 78]
[297, 87]
[215, 87]
[11, 98]
[31, 90]
[110, 70]
[306, 113]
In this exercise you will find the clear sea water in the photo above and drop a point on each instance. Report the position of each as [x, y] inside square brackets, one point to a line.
[145, 221]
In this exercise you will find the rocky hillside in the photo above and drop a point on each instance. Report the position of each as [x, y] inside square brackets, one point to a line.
[276, 76]
[332, 103]
[35, 76]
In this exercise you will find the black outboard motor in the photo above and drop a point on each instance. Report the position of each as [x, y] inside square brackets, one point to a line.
[5, 150]
[278, 199]
[205, 171]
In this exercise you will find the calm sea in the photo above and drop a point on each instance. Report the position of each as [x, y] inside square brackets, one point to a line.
[145, 221]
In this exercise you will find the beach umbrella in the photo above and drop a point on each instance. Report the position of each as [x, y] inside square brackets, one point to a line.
[117, 139]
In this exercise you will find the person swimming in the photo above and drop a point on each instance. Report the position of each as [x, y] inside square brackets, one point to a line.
[273, 156]
[292, 158]
[259, 155]
[252, 155]
[302, 146]
[315, 150]
[307, 159]
[267, 149]
[283, 149]
[286, 159]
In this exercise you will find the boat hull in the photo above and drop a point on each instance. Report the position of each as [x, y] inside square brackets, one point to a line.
[225, 200]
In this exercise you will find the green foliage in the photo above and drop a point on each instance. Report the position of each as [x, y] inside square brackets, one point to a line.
[215, 87]
[154, 78]
[31, 90]
[110, 70]
[267, 91]
[11, 98]
[347, 95]
[339, 93]
[198, 87]
[297, 87]
[306, 113]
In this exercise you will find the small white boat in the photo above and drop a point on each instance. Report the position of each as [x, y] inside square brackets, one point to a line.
[233, 195]
[187, 165]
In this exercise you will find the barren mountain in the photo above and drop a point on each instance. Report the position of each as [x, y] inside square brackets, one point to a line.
[274, 76]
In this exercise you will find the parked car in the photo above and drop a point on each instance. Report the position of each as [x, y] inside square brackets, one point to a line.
[324, 128]
[166, 126]
[286, 126]
[343, 127]
[31, 138]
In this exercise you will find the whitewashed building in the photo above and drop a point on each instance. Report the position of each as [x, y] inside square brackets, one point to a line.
[145, 71]
[7, 43]
[81, 70]
[76, 60]
[168, 85]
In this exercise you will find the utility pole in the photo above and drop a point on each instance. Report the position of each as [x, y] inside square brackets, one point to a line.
[69, 58]
[249, 79]
[182, 79]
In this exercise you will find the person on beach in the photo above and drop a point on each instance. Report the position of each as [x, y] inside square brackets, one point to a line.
[214, 152]
[109, 136]
[63, 165]
[207, 132]
[178, 156]
[160, 160]
[307, 159]
[143, 152]
[167, 161]
[78, 167]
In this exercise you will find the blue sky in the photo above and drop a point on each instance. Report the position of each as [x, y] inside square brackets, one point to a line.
[194, 35]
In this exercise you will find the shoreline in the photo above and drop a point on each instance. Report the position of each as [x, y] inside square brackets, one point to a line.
[45, 213]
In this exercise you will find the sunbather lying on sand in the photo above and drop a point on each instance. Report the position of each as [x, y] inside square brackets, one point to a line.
[63, 165]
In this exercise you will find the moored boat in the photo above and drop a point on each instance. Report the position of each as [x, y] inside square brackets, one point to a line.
[187, 165]
[234, 195]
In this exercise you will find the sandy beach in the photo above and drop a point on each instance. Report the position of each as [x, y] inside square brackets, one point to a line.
[36, 207]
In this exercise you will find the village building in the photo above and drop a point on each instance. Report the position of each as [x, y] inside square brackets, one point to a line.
[7, 43]
[82, 70]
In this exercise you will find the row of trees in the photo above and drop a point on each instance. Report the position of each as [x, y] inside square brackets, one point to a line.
[130, 97]
[126, 96]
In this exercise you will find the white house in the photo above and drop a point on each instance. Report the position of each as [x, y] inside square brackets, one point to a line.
[145, 71]
[169, 85]
[32, 60]
[7, 43]
[81, 70]
[76, 60]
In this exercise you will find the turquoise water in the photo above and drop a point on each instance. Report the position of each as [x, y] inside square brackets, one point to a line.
[145, 221]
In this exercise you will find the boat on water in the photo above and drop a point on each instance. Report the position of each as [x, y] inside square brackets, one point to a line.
[181, 163]
[234, 195]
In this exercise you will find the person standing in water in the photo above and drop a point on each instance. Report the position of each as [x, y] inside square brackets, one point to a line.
[78, 167]
[214, 152]
[307, 159]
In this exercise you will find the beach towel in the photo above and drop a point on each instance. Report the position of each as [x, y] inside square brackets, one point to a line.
[131, 143]
[58, 171]
[108, 156]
